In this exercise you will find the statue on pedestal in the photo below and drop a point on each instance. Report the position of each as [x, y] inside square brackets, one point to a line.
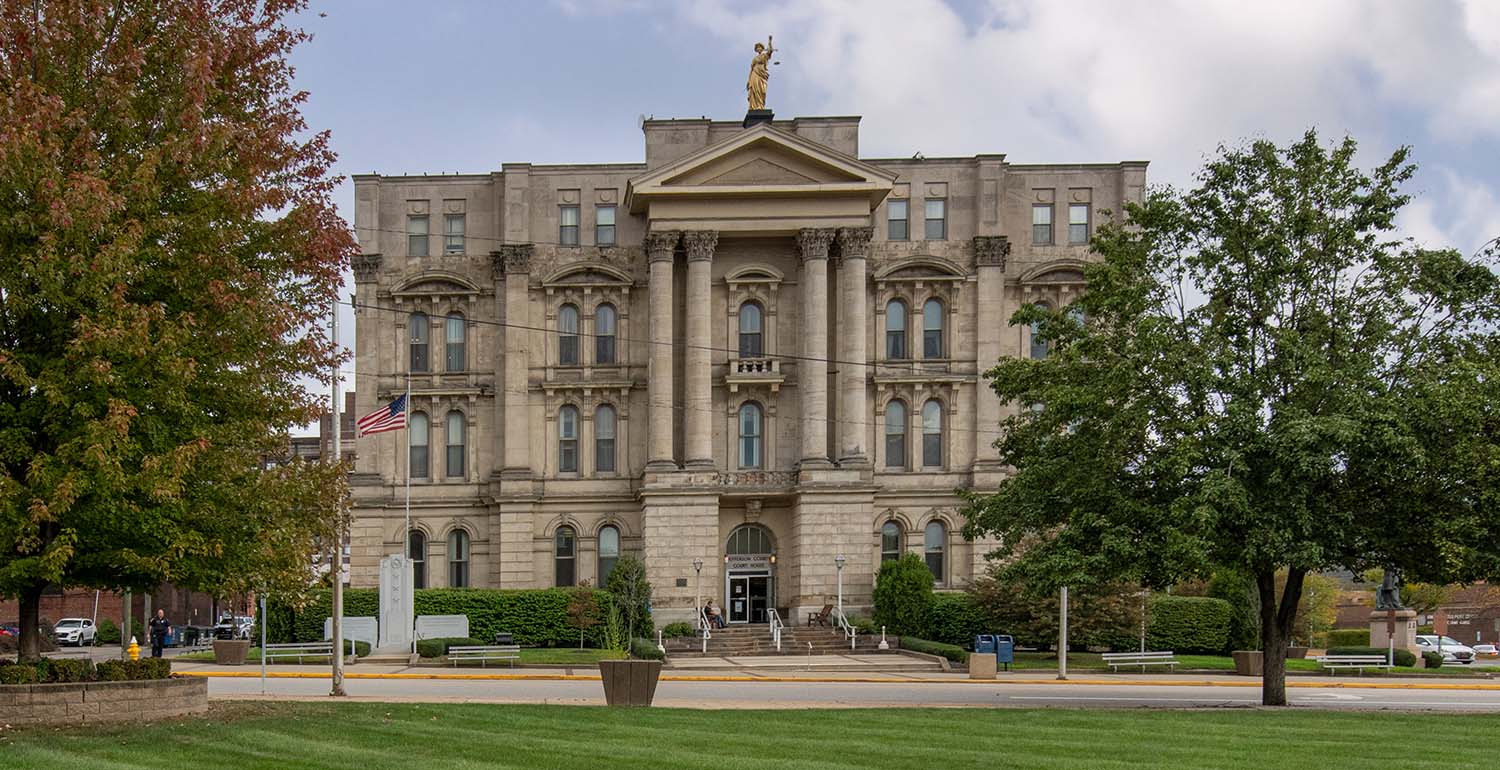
[760, 74]
[1388, 595]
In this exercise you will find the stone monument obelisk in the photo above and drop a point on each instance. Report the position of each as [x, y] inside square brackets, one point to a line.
[396, 587]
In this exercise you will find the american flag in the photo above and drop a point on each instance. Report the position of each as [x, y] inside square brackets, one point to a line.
[392, 416]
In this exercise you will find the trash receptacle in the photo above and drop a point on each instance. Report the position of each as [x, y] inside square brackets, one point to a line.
[984, 643]
[503, 638]
[1005, 650]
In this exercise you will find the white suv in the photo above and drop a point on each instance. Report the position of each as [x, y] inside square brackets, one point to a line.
[1453, 650]
[76, 631]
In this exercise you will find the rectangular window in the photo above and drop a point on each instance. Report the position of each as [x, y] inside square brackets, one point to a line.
[567, 350]
[937, 220]
[1041, 224]
[453, 233]
[895, 450]
[1078, 223]
[416, 235]
[418, 462]
[455, 461]
[568, 456]
[604, 455]
[567, 233]
[932, 450]
[604, 226]
[897, 220]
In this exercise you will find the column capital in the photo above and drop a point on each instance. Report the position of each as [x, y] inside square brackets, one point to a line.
[511, 258]
[365, 267]
[700, 244]
[854, 242]
[813, 242]
[661, 245]
[991, 250]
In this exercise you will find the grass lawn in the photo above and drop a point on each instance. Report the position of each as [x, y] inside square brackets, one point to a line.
[529, 656]
[375, 736]
[1090, 661]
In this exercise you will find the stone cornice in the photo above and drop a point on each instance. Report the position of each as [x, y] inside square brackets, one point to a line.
[813, 242]
[991, 250]
[700, 244]
[662, 245]
[365, 267]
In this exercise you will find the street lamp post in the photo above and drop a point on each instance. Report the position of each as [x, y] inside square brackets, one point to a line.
[838, 561]
[697, 591]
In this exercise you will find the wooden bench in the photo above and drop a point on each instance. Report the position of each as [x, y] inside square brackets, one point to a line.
[1357, 662]
[821, 618]
[300, 650]
[1142, 659]
[506, 652]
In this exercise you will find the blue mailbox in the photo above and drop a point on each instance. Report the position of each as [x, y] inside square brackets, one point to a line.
[984, 643]
[1005, 650]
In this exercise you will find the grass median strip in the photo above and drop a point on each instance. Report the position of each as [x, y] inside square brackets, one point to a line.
[374, 736]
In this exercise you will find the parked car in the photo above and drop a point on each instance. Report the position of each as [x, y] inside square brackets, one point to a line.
[1453, 650]
[236, 627]
[1486, 651]
[75, 631]
[10, 629]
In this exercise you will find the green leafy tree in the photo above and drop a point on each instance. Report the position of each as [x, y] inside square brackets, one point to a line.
[168, 248]
[1260, 377]
[1103, 615]
[632, 593]
[903, 595]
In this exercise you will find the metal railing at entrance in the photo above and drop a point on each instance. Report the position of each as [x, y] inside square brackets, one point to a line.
[776, 626]
[703, 625]
[849, 631]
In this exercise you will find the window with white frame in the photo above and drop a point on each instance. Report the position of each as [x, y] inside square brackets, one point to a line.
[1078, 223]
[895, 434]
[458, 559]
[751, 424]
[936, 220]
[567, 230]
[932, 329]
[416, 551]
[934, 548]
[418, 332]
[890, 541]
[605, 324]
[898, 220]
[565, 556]
[421, 432]
[932, 434]
[609, 552]
[604, 439]
[567, 439]
[416, 235]
[752, 337]
[456, 446]
[453, 233]
[567, 336]
[604, 226]
[454, 342]
[1041, 224]
[895, 330]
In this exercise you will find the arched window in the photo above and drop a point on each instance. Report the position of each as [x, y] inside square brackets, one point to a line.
[604, 439]
[895, 330]
[890, 541]
[567, 336]
[932, 329]
[750, 540]
[750, 436]
[932, 434]
[458, 559]
[1038, 345]
[895, 434]
[453, 352]
[565, 556]
[934, 545]
[454, 435]
[609, 552]
[416, 551]
[567, 439]
[752, 331]
[604, 334]
[421, 430]
[417, 330]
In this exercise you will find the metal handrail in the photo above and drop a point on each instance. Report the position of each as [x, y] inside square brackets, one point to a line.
[703, 625]
[776, 626]
[849, 631]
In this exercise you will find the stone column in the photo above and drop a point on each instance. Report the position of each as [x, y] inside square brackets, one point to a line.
[990, 253]
[854, 315]
[516, 259]
[661, 249]
[698, 448]
[812, 369]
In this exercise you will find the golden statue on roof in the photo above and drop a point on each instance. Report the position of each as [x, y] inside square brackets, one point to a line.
[760, 73]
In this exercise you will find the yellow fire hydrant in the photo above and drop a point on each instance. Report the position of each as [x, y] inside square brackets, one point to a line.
[134, 650]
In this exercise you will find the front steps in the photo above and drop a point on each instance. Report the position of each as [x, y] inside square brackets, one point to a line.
[755, 640]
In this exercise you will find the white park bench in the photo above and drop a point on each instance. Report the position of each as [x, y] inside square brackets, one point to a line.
[300, 650]
[506, 652]
[1142, 659]
[1357, 662]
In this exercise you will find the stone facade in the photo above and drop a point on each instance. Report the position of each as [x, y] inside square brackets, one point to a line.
[541, 326]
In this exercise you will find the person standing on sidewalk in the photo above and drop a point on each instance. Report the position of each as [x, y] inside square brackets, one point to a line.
[160, 629]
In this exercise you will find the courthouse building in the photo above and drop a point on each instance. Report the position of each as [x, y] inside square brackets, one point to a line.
[741, 359]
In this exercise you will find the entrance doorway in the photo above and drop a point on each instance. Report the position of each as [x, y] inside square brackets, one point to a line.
[749, 597]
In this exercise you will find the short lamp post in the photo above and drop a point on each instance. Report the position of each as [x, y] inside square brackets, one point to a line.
[697, 591]
[838, 561]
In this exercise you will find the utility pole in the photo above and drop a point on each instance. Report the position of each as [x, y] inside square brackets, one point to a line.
[336, 566]
[1062, 634]
[125, 625]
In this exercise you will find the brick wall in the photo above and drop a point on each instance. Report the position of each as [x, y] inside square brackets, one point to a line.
[103, 701]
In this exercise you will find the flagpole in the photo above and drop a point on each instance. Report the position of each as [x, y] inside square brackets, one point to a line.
[336, 567]
[411, 620]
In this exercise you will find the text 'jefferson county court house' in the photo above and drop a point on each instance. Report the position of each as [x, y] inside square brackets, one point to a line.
[755, 349]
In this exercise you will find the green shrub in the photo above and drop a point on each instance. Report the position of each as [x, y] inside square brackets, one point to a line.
[437, 648]
[108, 632]
[1188, 624]
[678, 629]
[1402, 657]
[536, 617]
[18, 673]
[955, 619]
[133, 670]
[950, 651]
[632, 593]
[645, 649]
[864, 625]
[65, 670]
[903, 595]
[1349, 637]
[361, 648]
[1432, 659]
[1244, 608]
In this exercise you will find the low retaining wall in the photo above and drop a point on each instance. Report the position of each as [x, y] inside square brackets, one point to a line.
[143, 701]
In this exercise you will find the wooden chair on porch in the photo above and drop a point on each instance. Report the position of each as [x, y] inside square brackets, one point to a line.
[821, 618]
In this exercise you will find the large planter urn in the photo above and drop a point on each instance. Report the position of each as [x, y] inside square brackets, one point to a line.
[1248, 662]
[231, 652]
[1293, 653]
[629, 682]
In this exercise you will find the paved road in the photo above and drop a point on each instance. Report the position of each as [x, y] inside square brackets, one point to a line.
[863, 694]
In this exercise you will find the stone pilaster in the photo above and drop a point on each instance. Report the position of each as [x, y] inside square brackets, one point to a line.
[698, 438]
[812, 369]
[992, 315]
[854, 312]
[661, 249]
[513, 260]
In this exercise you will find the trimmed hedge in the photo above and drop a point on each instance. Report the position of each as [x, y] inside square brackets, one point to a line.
[903, 595]
[675, 630]
[1432, 658]
[955, 619]
[437, 648]
[645, 649]
[1189, 624]
[1402, 657]
[1349, 637]
[535, 617]
[71, 670]
[950, 651]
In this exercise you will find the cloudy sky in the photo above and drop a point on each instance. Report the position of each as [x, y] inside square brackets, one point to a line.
[446, 86]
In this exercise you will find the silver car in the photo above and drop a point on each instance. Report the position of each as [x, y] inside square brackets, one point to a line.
[1453, 650]
[75, 631]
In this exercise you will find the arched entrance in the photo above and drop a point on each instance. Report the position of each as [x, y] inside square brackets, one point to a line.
[749, 571]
